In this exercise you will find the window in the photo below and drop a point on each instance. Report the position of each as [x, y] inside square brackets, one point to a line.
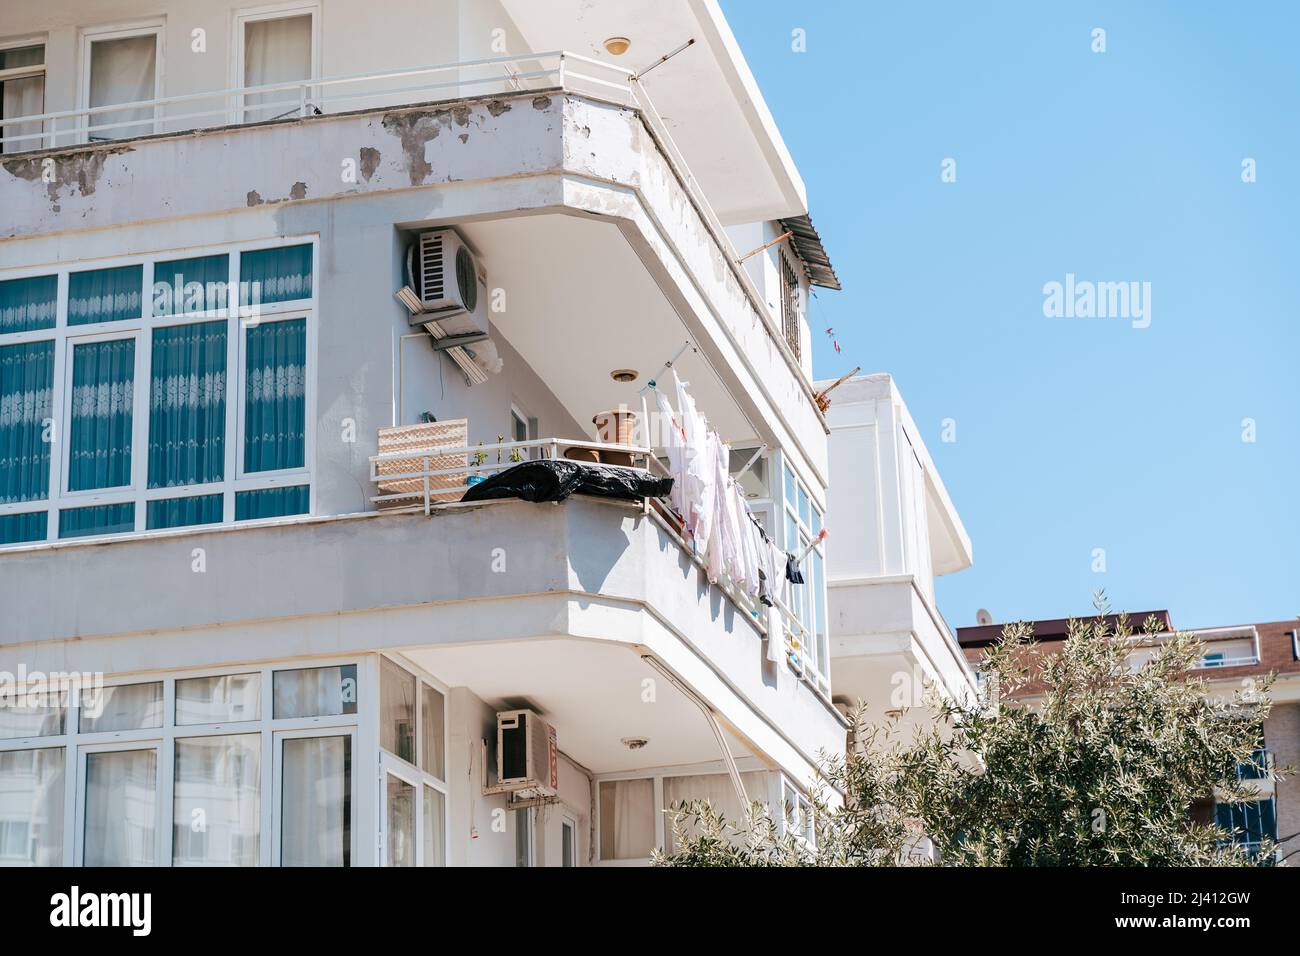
[175, 389]
[121, 66]
[796, 812]
[718, 789]
[316, 801]
[315, 692]
[122, 707]
[803, 524]
[524, 843]
[210, 781]
[228, 698]
[275, 47]
[400, 839]
[790, 305]
[31, 816]
[121, 808]
[627, 819]
[217, 801]
[412, 740]
[568, 843]
[22, 93]
[1249, 823]
[397, 710]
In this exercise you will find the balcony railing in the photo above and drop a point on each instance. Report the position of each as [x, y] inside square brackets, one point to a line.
[572, 72]
[433, 482]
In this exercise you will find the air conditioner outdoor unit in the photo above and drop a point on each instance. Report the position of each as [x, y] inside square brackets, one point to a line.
[527, 755]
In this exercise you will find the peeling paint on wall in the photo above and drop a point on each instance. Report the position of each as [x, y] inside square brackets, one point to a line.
[80, 170]
[414, 130]
[369, 162]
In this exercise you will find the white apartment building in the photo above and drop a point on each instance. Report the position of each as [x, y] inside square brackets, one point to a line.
[231, 458]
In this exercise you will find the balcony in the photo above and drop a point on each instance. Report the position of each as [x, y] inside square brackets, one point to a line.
[539, 133]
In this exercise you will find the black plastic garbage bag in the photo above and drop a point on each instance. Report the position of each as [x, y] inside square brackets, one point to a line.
[555, 479]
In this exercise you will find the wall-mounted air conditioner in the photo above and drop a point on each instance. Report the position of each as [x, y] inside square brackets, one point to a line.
[527, 755]
[446, 294]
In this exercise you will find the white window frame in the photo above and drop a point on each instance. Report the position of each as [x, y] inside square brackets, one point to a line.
[391, 763]
[816, 670]
[235, 480]
[656, 775]
[22, 72]
[569, 822]
[359, 726]
[91, 35]
[278, 11]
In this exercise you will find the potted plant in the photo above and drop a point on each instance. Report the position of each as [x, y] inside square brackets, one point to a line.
[478, 458]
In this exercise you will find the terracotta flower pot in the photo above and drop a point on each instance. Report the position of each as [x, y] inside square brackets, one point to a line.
[617, 427]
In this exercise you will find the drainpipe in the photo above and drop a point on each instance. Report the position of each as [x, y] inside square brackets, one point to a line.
[728, 760]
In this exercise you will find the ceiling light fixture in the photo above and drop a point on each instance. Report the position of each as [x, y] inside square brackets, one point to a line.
[623, 375]
[617, 46]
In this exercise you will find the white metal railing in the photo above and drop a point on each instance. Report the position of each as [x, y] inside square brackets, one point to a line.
[795, 637]
[301, 98]
[308, 97]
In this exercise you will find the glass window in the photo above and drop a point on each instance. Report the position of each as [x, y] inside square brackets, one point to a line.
[315, 692]
[275, 51]
[122, 707]
[26, 384]
[432, 722]
[282, 274]
[103, 399]
[187, 405]
[187, 286]
[21, 528]
[23, 94]
[399, 849]
[272, 503]
[523, 837]
[28, 304]
[316, 801]
[435, 813]
[100, 519]
[31, 807]
[275, 368]
[218, 700]
[397, 710]
[627, 819]
[718, 789]
[105, 295]
[217, 808]
[568, 844]
[121, 808]
[30, 720]
[123, 70]
[184, 512]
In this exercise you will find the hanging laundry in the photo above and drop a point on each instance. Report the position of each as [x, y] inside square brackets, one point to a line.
[697, 466]
[673, 439]
[792, 572]
[709, 530]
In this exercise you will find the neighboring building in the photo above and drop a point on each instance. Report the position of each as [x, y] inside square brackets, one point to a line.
[891, 645]
[1233, 658]
[218, 486]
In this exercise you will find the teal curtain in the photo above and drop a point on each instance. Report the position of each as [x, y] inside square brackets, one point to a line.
[26, 380]
[171, 279]
[275, 275]
[182, 512]
[16, 529]
[101, 519]
[271, 503]
[103, 395]
[105, 295]
[28, 304]
[274, 395]
[187, 405]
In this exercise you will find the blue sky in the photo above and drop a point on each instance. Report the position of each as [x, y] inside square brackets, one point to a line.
[1072, 434]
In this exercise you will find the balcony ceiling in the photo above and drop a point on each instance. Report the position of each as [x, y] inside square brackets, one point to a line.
[706, 94]
[580, 304]
[592, 693]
